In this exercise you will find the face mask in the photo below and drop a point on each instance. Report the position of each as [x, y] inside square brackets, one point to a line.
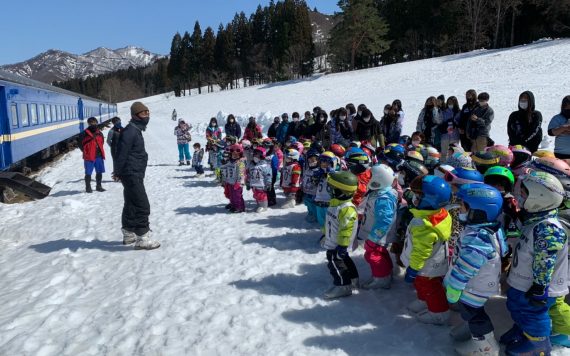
[359, 113]
[523, 105]
[462, 217]
[401, 181]
[342, 118]
[93, 128]
[213, 124]
[118, 124]
[483, 103]
[566, 113]
[415, 200]
[256, 159]
[295, 119]
[451, 107]
[385, 112]
[416, 143]
[366, 119]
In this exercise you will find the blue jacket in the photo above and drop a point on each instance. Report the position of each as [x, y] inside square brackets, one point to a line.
[385, 206]
[282, 131]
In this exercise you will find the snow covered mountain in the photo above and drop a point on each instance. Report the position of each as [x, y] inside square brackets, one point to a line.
[58, 65]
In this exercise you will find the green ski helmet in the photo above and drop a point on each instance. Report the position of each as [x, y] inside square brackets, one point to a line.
[500, 175]
[342, 185]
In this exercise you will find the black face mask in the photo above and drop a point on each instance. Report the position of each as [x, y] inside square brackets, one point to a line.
[92, 128]
[566, 113]
[145, 120]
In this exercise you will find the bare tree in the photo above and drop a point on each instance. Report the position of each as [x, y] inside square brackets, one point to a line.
[501, 8]
[474, 14]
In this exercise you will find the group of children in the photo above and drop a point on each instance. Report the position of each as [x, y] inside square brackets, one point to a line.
[458, 227]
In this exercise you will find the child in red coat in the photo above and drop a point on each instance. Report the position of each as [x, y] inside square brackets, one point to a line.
[291, 177]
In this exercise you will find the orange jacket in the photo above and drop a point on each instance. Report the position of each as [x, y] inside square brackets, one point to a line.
[363, 179]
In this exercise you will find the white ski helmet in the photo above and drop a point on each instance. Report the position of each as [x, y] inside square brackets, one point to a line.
[545, 192]
[382, 177]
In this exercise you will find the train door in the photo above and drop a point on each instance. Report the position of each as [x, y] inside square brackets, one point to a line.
[101, 118]
[4, 130]
[81, 115]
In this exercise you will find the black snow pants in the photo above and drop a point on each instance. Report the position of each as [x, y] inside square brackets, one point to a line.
[137, 208]
[342, 269]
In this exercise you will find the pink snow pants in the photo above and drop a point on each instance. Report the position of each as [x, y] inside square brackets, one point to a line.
[236, 197]
[378, 258]
[259, 195]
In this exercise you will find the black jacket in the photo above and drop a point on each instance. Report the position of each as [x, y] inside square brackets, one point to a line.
[233, 129]
[272, 132]
[523, 132]
[295, 129]
[131, 156]
[368, 131]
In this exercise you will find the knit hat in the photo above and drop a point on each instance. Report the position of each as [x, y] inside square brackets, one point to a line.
[138, 107]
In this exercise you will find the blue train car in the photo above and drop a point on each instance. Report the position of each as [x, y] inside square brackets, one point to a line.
[36, 117]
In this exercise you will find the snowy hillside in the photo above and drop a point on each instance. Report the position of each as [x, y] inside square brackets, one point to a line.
[55, 65]
[246, 284]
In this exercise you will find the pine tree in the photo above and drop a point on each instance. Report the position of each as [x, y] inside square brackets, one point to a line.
[359, 33]
[174, 64]
[195, 58]
[208, 56]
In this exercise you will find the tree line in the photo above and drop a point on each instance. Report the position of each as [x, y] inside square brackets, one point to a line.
[275, 42]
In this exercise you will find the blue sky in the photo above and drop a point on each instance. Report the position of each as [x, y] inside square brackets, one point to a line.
[34, 26]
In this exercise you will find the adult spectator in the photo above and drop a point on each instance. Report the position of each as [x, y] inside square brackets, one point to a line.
[449, 126]
[368, 129]
[465, 116]
[183, 138]
[479, 125]
[525, 125]
[232, 128]
[113, 137]
[428, 120]
[283, 128]
[340, 129]
[295, 126]
[391, 129]
[92, 142]
[319, 131]
[559, 127]
[351, 110]
[272, 132]
[252, 130]
[397, 107]
[131, 167]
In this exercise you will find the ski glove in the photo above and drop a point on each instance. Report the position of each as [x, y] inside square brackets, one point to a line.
[410, 275]
[452, 294]
[341, 251]
[537, 295]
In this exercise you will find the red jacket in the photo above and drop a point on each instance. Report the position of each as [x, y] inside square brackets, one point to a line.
[91, 141]
[249, 134]
[291, 178]
[363, 179]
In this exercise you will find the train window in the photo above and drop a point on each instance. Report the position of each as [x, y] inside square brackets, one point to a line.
[14, 112]
[58, 110]
[34, 114]
[42, 113]
[48, 113]
[24, 114]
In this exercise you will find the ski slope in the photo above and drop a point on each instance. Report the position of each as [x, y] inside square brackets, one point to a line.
[246, 284]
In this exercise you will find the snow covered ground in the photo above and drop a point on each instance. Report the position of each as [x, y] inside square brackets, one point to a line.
[231, 284]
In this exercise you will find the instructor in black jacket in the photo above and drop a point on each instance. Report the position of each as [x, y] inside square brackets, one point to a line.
[130, 168]
[525, 125]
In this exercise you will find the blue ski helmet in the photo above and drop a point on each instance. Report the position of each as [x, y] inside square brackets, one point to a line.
[485, 203]
[433, 192]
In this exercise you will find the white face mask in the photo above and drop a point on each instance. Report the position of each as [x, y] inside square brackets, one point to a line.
[523, 105]
[295, 119]
[462, 217]
[256, 159]
[401, 181]
[385, 112]
[359, 113]
[416, 142]
[450, 107]
[342, 118]
[366, 119]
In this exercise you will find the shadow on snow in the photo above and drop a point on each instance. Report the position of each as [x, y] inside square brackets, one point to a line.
[75, 245]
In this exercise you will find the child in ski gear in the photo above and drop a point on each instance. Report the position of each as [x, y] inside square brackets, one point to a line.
[213, 136]
[322, 196]
[259, 178]
[341, 226]
[308, 184]
[235, 178]
[539, 272]
[290, 177]
[425, 250]
[92, 143]
[358, 164]
[474, 276]
[183, 137]
[197, 159]
[379, 214]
